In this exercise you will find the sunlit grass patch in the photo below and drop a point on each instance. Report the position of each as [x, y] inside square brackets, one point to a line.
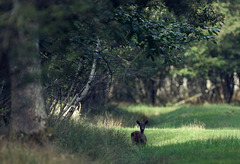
[194, 125]
[209, 116]
[212, 150]
[190, 145]
[148, 110]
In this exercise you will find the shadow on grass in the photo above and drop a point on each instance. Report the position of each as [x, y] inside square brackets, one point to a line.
[221, 150]
[209, 117]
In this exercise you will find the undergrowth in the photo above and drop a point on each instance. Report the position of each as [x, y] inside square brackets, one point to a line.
[99, 143]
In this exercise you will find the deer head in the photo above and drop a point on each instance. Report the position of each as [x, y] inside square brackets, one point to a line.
[142, 125]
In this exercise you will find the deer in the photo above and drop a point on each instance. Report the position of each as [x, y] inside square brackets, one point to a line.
[138, 137]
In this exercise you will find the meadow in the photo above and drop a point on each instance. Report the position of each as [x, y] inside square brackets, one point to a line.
[187, 134]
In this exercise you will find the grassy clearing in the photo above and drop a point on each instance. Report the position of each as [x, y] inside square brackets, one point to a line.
[208, 116]
[191, 146]
[193, 134]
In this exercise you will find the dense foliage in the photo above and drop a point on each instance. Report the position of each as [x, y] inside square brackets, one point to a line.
[208, 71]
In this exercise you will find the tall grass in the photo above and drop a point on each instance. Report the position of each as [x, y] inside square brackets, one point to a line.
[99, 143]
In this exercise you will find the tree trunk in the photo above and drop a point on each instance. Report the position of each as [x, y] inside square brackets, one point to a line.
[153, 91]
[28, 113]
[228, 86]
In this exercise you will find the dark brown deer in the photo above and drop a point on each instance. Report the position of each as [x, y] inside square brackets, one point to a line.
[138, 137]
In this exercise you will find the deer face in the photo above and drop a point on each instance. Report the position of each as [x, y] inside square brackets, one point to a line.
[142, 125]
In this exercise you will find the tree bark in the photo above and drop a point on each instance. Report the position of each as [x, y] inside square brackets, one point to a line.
[28, 115]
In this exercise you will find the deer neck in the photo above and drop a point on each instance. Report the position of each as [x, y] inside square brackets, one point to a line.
[142, 131]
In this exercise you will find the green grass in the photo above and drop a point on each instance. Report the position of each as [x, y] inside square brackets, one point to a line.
[213, 116]
[195, 146]
[194, 134]
[191, 134]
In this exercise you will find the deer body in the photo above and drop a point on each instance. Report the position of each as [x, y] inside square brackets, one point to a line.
[138, 137]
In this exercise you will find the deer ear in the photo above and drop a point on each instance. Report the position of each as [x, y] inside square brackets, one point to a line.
[146, 122]
[138, 122]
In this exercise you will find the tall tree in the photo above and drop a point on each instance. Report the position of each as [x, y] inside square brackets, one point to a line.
[27, 104]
